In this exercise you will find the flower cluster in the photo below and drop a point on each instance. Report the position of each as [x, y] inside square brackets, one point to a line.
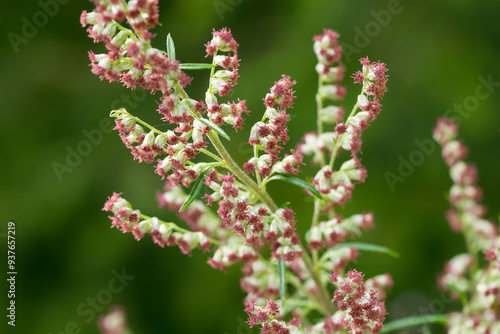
[360, 308]
[330, 72]
[222, 81]
[335, 231]
[271, 134]
[260, 281]
[455, 273]
[467, 212]
[232, 252]
[128, 220]
[130, 58]
[374, 80]
[480, 314]
[338, 259]
[235, 212]
[266, 316]
[143, 146]
[337, 186]
[478, 287]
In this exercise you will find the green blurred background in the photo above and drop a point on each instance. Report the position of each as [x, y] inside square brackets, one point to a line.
[66, 252]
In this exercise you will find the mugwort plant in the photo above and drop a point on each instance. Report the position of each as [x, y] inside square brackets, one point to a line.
[289, 279]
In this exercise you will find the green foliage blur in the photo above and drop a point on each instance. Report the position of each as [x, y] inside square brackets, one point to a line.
[66, 252]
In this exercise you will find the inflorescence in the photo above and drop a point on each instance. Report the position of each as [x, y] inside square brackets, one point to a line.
[236, 220]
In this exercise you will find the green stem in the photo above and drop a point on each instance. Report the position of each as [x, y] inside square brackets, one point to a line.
[256, 155]
[299, 286]
[175, 227]
[210, 154]
[322, 291]
[339, 141]
[315, 222]
[241, 175]
[319, 102]
[212, 72]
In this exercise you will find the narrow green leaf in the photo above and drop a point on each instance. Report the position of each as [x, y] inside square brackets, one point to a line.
[195, 190]
[215, 127]
[281, 273]
[298, 182]
[284, 205]
[415, 321]
[196, 66]
[170, 48]
[368, 247]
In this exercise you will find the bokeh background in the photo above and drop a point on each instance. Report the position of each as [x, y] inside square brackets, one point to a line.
[66, 252]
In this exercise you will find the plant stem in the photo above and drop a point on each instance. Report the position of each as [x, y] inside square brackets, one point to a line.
[322, 291]
[210, 154]
[175, 227]
[339, 141]
[299, 286]
[319, 102]
[241, 175]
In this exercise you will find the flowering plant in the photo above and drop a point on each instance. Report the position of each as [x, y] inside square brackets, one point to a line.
[289, 280]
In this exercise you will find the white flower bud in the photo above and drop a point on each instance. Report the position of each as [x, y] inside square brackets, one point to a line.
[145, 226]
[328, 92]
[219, 60]
[197, 131]
[128, 121]
[119, 39]
[331, 114]
[349, 164]
[161, 140]
[225, 75]
[210, 99]
[149, 140]
[217, 84]
[155, 224]
[109, 30]
[362, 100]
[457, 170]
[254, 132]
[271, 113]
[166, 164]
[201, 238]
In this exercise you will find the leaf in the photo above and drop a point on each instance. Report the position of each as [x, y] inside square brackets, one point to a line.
[415, 321]
[298, 182]
[368, 247]
[196, 66]
[170, 48]
[214, 127]
[284, 205]
[281, 273]
[195, 190]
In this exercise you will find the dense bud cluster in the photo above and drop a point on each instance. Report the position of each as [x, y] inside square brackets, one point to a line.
[462, 274]
[359, 306]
